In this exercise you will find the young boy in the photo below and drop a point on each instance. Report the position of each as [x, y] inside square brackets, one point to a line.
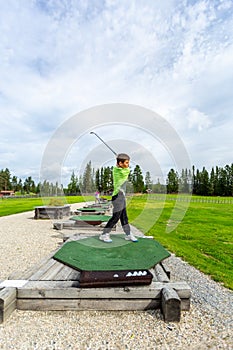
[120, 175]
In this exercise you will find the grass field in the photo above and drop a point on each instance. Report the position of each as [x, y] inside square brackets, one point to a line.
[10, 206]
[203, 238]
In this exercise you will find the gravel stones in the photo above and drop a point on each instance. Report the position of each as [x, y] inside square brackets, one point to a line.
[208, 325]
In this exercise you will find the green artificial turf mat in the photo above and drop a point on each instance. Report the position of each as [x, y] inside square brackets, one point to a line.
[102, 218]
[91, 254]
[91, 209]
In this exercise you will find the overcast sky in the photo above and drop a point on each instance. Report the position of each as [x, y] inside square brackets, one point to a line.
[61, 57]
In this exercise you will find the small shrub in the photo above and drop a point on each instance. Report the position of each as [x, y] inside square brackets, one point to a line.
[56, 202]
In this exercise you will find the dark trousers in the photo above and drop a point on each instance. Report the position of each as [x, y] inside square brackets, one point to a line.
[119, 213]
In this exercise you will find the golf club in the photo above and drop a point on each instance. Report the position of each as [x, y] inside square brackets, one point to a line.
[92, 132]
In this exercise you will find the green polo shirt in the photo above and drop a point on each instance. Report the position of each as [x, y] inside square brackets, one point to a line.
[120, 176]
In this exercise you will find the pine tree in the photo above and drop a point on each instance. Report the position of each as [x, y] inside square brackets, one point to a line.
[29, 185]
[107, 179]
[5, 179]
[138, 183]
[73, 186]
[212, 183]
[205, 183]
[222, 182]
[88, 181]
[14, 183]
[148, 181]
[172, 181]
[97, 180]
[185, 181]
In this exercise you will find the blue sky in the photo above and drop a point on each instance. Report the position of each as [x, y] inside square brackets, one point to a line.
[58, 58]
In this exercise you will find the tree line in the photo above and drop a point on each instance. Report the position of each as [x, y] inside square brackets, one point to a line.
[219, 182]
[10, 182]
[102, 180]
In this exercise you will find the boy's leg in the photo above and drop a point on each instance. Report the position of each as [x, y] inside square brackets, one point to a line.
[126, 227]
[125, 222]
[117, 204]
[112, 222]
[108, 228]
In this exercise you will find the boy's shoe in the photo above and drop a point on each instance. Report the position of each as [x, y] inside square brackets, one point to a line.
[131, 237]
[105, 238]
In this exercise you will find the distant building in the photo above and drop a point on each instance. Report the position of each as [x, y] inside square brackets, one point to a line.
[6, 193]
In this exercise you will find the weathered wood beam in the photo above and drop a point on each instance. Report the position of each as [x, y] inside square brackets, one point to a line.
[7, 302]
[87, 304]
[166, 269]
[160, 274]
[71, 290]
[171, 305]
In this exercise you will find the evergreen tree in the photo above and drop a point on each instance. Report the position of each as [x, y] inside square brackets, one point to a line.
[20, 186]
[107, 179]
[204, 184]
[185, 181]
[148, 181]
[212, 182]
[14, 183]
[129, 184]
[194, 181]
[5, 180]
[44, 188]
[102, 179]
[172, 182]
[29, 185]
[73, 186]
[231, 180]
[88, 181]
[222, 182]
[38, 188]
[138, 183]
[98, 180]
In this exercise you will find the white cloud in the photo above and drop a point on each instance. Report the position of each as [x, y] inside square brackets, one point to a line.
[198, 120]
[57, 58]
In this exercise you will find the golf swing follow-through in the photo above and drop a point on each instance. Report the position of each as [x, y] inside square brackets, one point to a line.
[120, 175]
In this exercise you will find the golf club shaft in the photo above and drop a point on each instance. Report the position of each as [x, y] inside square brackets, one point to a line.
[103, 142]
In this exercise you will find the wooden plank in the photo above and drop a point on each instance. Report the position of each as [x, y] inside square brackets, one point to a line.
[43, 269]
[6, 313]
[74, 275]
[152, 271]
[6, 296]
[47, 285]
[171, 305]
[87, 304]
[185, 304]
[166, 269]
[7, 302]
[50, 274]
[67, 273]
[63, 224]
[160, 274]
[66, 289]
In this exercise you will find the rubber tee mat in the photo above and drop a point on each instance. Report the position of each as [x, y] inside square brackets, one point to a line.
[91, 254]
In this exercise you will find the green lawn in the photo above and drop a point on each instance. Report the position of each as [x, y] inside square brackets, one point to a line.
[203, 238]
[10, 206]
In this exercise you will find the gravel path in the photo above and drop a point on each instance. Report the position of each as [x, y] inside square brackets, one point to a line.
[208, 325]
